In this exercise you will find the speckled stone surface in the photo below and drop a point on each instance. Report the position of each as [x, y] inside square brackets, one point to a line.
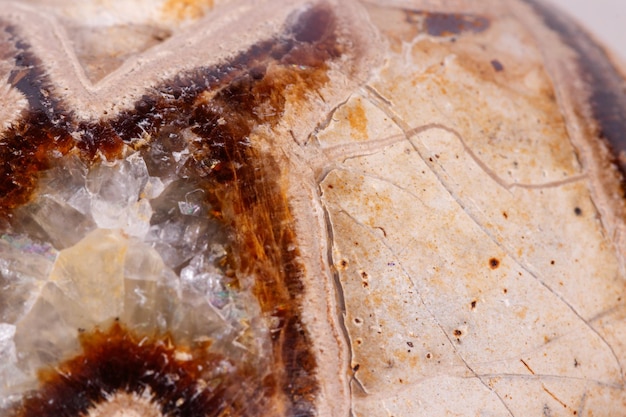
[301, 208]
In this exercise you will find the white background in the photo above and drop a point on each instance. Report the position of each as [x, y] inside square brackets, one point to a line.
[606, 19]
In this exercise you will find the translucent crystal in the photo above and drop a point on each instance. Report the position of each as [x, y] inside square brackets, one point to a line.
[143, 302]
[166, 154]
[66, 183]
[24, 267]
[8, 354]
[12, 376]
[180, 227]
[132, 240]
[142, 262]
[118, 200]
[64, 225]
[202, 278]
[153, 188]
[92, 273]
[49, 329]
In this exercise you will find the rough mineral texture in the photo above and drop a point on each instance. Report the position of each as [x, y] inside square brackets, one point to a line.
[309, 208]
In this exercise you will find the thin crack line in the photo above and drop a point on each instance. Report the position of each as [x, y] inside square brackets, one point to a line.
[366, 174]
[340, 300]
[544, 377]
[432, 315]
[498, 240]
[493, 236]
[483, 166]
[349, 151]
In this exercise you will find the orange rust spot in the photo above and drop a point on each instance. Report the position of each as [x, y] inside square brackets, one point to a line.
[494, 263]
[521, 312]
[185, 9]
[358, 121]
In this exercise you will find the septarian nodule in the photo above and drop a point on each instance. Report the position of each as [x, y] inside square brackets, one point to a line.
[303, 208]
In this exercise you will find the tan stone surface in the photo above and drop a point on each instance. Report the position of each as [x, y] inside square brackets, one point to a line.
[458, 228]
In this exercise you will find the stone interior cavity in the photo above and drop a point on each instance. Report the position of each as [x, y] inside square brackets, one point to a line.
[118, 240]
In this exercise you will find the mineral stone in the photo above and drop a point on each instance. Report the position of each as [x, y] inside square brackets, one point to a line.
[309, 208]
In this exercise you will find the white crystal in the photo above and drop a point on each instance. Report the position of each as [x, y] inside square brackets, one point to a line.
[66, 182]
[142, 262]
[117, 192]
[138, 219]
[7, 347]
[92, 273]
[153, 188]
[188, 209]
[49, 330]
[143, 303]
[81, 201]
[179, 239]
[24, 267]
[202, 278]
[10, 374]
[178, 156]
[62, 223]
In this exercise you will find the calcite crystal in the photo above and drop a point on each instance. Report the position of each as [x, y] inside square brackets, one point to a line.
[309, 207]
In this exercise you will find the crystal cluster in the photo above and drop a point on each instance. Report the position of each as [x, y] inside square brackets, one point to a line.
[115, 241]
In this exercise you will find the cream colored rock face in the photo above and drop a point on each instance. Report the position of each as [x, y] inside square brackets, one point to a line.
[474, 265]
[418, 211]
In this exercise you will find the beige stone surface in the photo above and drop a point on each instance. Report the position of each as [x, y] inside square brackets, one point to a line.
[458, 224]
